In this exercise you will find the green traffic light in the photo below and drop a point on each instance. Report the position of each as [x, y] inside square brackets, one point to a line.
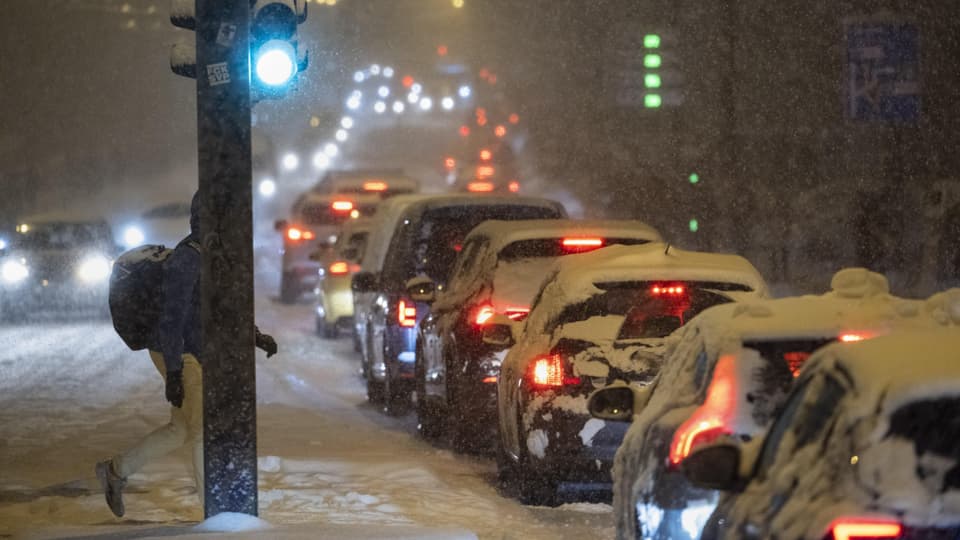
[694, 178]
[651, 41]
[694, 225]
[652, 101]
[651, 80]
[652, 61]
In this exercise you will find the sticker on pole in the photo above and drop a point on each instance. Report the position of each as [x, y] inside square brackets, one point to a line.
[227, 34]
[218, 74]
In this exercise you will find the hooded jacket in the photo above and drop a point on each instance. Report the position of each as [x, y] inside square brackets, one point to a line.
[179, 329]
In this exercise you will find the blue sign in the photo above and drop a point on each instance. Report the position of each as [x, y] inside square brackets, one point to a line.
[883, 72]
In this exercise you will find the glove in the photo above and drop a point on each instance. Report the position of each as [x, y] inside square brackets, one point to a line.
[174, 388]
[266, 343]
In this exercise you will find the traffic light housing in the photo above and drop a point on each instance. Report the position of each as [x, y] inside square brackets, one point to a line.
[276, 55]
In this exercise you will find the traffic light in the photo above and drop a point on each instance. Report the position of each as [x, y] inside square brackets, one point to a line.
[275, 53]
[662, 77]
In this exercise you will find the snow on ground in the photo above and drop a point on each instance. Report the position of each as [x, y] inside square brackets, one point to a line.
[331, 466]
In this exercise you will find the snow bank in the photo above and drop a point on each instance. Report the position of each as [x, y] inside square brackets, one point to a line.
[232, 522]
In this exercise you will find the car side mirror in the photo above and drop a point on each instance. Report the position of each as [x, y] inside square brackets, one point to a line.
[421, 289]
[714, 467]
[280, 225]
[612, 403]
[500, 332]
[363, 282]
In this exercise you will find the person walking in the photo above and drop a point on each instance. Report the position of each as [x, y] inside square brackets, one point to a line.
[175, 351]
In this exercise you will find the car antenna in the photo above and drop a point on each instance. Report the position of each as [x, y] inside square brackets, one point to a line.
[667, 251]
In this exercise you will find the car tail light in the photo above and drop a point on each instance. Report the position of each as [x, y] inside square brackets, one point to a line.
[342, 206]
[712, 419]
[549, 372]
[516, 313]
[407, 314]
[480, 187]
[581, 244]
[296, 234]
[863, 529]
[374, 185]
[450, 163]
[492, 379]
[484, 314]
[668, 290]
[485, 171]
[339, 268]
[514, 187]
[795, 360]
[851, 337]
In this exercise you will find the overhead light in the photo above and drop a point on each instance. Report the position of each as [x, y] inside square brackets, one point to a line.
[398, 107]
[447, 103]
[464, 91]
[358, 76]
[341, 135]
[321, 160]
[379, 107]
[388, 72]
[291, 161]
[268, 187]
[331, 149]
[346, 122]
[426, 104]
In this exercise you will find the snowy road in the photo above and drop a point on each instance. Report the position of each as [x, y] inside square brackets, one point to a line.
[71, 394]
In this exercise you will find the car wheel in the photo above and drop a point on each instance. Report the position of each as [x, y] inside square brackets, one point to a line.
[398, 393]
[326, 330]
[289, 293]
[506, 467]
[376, 391]
[429, 422]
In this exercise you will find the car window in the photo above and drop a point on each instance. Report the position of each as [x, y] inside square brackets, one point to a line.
[468, 258]
[656, 315]
[780, 428]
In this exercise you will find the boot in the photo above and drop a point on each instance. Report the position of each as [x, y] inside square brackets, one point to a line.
[113, 485]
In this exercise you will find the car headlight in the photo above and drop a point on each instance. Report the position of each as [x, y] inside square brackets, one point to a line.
[13, 271]
[94, 268]
[133, 236]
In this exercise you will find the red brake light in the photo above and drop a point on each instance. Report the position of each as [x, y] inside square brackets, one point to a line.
[373, 186]
[406, 314]
[581, 244]
[514, 118]
[342, 206]
[294, 233]
[711, 419]
[485, 155]
[548, 372]
[514, 186]
[480, 187]
[407, 81]
[485, 171]
[500, 131]
[484, 314]
[517, 313]
[864, 528]
[450, 163]
[795, 360]
[850, 338]
[668, 289]
[464, 131]
[339, 268]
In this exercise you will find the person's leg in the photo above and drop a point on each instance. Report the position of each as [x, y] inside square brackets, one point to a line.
[193, 416]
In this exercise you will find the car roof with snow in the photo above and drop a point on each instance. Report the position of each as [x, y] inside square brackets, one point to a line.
[858, 306]
[384, 223]
[502, 233]
[70, 216]
[428, 203]
[895, 369]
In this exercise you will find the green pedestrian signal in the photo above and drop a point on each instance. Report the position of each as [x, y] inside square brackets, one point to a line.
[652, 80]
[652, 101]
[694, 225]
[651, 41]
[652, 61]
[694, 178]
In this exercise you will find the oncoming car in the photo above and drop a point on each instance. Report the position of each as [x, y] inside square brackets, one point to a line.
[56, 263]
[726, 373]
[335, 299]
[498, 271]
[165, 224]
[599, 318]
[867, 447]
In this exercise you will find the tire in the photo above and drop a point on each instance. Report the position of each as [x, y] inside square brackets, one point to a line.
[289, 293]
[376, 392]
[326, 330]
[506, 468]
[397, 394]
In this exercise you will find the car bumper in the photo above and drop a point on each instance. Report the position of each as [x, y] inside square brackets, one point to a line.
[41, 296]
[337, 300]
[563, 440]
[399, 355]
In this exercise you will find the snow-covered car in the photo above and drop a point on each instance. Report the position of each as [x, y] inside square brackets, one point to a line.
[56, 263]
[315, 219]
[498, 271]
[383, 183]
[600, 318]
[867, 446]
[335, 299]
[165, 224]
[727, 373]
[421, 250]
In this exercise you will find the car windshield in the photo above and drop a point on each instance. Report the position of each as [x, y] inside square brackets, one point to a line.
[324, 214]
[63, 235]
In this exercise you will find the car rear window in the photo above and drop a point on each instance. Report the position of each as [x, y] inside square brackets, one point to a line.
[656, 314]
[934, 427]
[553, 247]
[430, 246]
[322, 214]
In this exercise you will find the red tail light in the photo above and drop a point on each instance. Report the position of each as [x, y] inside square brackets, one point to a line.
[514, 187]
[464, 131]
[711, 419]
[374, 185]
[342, 206]
[484, 314]
[670, 290]
[549, 372]
[581, 244]
[500, 131]
[480, 187]
[450, 163]
[864, 529]
[485, 171]
[516, 313]
[485, 154]
[850, 337]
[339, 268]
[795, 360]
[492, 379]
[406, 314]
[296, 234]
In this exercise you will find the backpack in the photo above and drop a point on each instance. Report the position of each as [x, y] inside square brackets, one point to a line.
[136, 293]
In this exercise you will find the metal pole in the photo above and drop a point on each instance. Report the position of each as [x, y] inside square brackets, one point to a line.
[229, 378]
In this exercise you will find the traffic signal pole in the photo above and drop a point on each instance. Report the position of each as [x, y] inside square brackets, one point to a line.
[226, 224]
